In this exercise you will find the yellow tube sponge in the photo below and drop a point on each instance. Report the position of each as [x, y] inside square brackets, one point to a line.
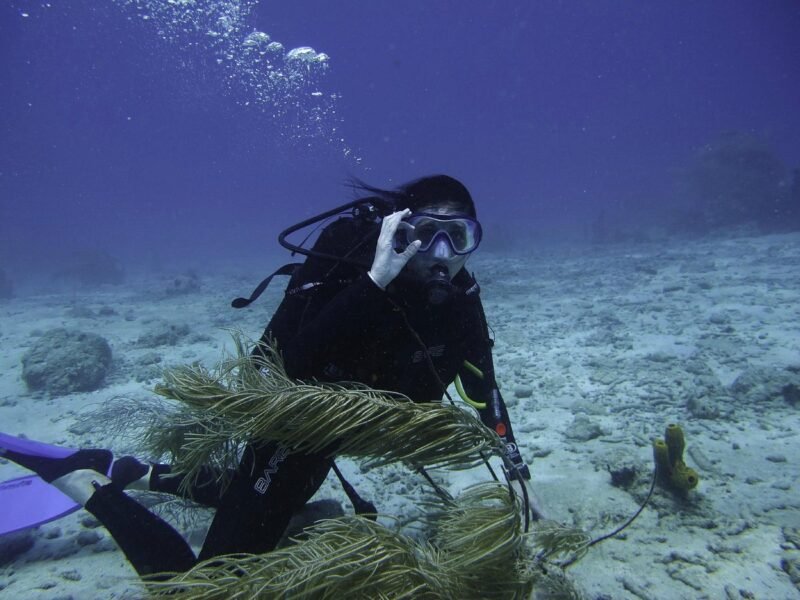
[668, 456]
[683, 477]
[673, 436]
[661, 457]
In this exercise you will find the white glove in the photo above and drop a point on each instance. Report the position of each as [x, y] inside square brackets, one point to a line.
[388, 263]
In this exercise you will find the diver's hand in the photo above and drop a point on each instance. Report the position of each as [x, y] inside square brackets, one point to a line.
[388, 263]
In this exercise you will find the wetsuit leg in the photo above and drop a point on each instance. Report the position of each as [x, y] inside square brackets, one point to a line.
[150, 543]
[269, 486]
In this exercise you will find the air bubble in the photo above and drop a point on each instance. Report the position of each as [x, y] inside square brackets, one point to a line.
[216, 39]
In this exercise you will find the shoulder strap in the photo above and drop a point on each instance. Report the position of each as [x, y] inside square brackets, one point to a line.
[287, 269]
[345, 238]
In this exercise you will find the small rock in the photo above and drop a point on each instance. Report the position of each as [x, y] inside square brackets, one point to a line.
[149, 358]
[791, 565]
[181, 285]
[90, 522]
[523, 391]
[65, 361]
[792, 536]
[80, 428]
[791, 394]
[109, 545]
[87, 538]
[163, 334]
[47, 585]
[15, 544]
[623, 476]
[758, 385]
[703, 408]
[658, 357]
[583, 429]
[71, 575]
[776, 458]
[62, 550]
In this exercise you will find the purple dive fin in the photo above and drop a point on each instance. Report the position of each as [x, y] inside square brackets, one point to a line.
[32, 448]
[29, 501]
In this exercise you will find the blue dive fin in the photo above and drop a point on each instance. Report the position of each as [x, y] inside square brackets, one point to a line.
[29, 501]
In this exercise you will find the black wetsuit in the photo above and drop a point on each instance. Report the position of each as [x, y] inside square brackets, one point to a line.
[342, 330]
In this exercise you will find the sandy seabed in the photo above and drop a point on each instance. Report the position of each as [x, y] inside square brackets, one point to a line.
[597, 350]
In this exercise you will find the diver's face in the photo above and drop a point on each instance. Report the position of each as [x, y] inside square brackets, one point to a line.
[439, 257]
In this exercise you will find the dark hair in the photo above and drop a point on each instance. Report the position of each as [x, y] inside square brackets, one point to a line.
[433, 190]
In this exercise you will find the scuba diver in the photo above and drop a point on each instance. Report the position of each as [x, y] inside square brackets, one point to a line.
[383, 299]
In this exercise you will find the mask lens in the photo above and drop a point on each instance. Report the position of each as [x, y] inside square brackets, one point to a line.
[425, 231]
[464, 233]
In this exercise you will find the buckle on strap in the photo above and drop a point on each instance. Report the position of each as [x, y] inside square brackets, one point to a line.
[302, 288]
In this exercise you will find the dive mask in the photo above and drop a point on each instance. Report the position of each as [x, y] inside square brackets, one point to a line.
[463, 232]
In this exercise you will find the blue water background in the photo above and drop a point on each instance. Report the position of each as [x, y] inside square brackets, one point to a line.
[117, 137]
